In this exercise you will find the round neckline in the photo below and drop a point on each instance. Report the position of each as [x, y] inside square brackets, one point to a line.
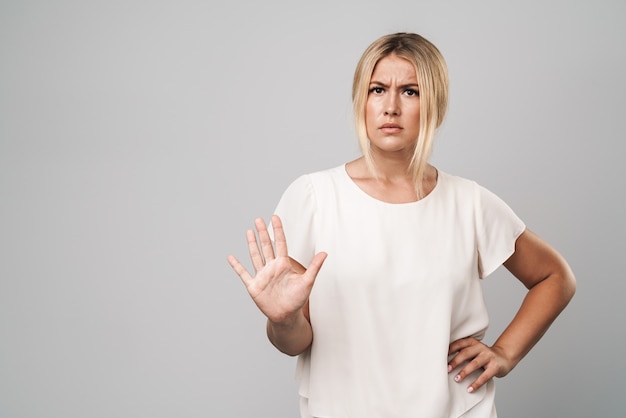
[363, 193]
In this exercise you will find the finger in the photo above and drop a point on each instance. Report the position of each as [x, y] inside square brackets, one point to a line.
[264, 237]
[240, 270]
[465, 354]
[484, 377]
[460, 344]
[279, 237]
[476, 363]
[253, 249]
[315, 266]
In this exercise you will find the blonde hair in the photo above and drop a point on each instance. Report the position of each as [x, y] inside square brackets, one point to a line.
[432, 78]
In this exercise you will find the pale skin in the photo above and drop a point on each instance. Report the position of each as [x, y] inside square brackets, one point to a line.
[281, 286]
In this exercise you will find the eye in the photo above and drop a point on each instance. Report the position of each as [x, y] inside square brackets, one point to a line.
[377, 90]
[412, 92]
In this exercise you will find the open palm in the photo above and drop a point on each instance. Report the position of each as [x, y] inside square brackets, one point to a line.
[280, 287]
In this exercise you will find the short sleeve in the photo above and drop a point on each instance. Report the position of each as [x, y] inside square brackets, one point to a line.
[497, 229]
[297, 211]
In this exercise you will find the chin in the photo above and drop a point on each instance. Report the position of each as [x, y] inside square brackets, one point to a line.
[393, 146]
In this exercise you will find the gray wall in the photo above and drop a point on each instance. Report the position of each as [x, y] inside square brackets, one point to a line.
[138, 140]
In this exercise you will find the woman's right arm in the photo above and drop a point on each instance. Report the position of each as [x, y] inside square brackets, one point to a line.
[291, 337]
[280, 287]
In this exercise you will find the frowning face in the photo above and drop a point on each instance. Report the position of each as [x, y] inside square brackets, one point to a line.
[392, 111]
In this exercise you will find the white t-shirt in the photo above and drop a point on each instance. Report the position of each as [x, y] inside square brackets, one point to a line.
[400, 283]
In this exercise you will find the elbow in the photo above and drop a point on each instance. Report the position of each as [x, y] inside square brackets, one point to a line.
[559, 286]
[571, 285]
[567, 283]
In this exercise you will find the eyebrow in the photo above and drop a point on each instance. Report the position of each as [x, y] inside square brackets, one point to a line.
[410, 85]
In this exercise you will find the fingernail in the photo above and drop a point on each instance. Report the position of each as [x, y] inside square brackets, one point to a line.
[470, 389]
[457, 378]
[449, 368]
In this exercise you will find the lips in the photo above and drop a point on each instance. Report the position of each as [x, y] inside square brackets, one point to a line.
[390, 128]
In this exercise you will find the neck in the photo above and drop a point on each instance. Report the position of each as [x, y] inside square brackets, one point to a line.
[392, 167]
[394, 183]
[397, 170]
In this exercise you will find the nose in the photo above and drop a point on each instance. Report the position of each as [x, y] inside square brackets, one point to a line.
[392, 105]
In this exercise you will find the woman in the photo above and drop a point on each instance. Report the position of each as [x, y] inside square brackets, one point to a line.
[393, 325]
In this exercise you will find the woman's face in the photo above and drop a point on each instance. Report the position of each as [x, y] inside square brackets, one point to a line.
[392, 111]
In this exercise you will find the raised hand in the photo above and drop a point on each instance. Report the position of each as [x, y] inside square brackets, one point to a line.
[280, 287]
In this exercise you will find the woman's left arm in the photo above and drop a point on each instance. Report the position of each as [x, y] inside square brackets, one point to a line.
[551, 285]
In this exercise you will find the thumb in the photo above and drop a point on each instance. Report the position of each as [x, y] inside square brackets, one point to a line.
[315, 266]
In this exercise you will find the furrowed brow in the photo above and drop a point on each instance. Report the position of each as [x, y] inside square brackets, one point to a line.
[404, 86]
[378, 83]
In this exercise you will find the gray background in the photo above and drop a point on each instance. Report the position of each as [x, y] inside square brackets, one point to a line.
[138, 140]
